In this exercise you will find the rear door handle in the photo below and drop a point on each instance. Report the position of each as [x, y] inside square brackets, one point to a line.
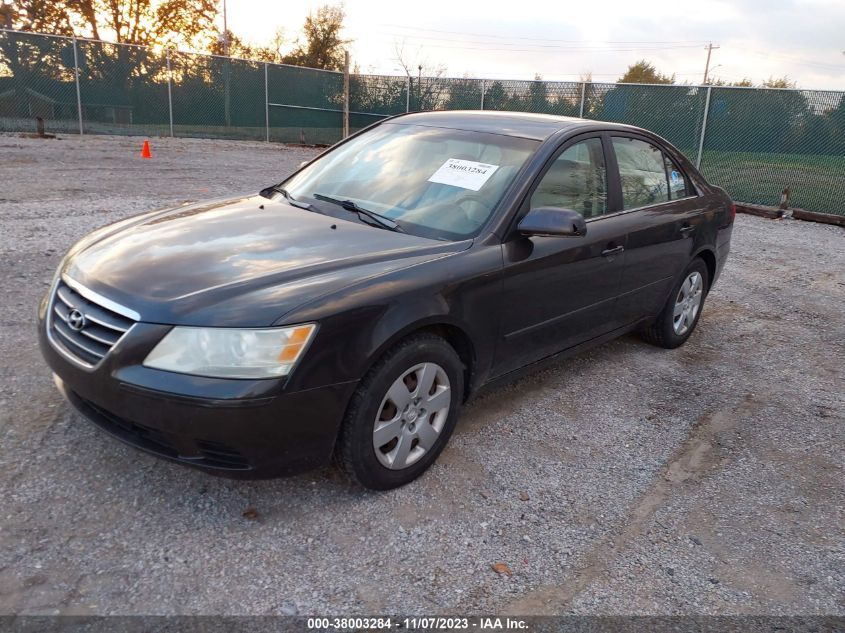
[608, 252]
[687, 230]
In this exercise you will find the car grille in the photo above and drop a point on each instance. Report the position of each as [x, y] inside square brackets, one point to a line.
[83, 329]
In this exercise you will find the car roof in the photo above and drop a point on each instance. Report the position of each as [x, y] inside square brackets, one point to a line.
[523, 124]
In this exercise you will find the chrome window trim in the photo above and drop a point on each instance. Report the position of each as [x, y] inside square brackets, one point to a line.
[648, 206]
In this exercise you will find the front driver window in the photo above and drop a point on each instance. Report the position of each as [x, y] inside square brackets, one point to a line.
[642, 172]
[576, 180]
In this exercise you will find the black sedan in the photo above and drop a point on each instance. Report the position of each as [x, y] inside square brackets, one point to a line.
[353, 308]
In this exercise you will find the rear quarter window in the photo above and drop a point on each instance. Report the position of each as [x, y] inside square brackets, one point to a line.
[678, 185]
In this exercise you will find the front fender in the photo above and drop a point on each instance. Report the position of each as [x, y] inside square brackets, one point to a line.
[360, 323]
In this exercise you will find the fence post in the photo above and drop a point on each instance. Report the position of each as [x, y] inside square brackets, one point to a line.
[227, 90]
[408, 94]
[345, 94]
[78, 93]
[583, 98]
[169, 92]
[266, 105]
[703, 128]
[483, 85]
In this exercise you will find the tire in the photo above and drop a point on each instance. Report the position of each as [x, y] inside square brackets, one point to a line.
[390, 400]
[665, 331]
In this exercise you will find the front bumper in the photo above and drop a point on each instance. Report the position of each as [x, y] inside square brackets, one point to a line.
[233, 428]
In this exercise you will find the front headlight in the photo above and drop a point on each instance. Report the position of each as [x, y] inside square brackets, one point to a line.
[231, 353]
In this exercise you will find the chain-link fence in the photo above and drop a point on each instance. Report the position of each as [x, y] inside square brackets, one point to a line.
[753, 142]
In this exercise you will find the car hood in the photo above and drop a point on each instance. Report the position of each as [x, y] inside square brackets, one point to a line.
[237, 262]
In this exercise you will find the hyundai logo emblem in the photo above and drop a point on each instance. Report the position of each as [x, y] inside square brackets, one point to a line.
[75, 320]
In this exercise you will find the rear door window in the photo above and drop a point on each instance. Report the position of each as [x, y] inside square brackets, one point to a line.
[642, 172]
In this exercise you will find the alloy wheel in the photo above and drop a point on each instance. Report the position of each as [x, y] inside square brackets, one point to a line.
[687, 303]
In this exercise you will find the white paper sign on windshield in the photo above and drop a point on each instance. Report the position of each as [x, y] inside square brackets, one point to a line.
[466, 174]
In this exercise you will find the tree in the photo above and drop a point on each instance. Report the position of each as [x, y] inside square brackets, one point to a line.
[464, 94]
[659, 109]
[592, 96]
[495, 97]
[775, 121]
[428, 88]
[537, 99]
[126, 71]
[323, 46]
[110, 74]
[644, 72]
[42, 16]
[779, 82]
[241, 49]
[150, 23]
[144, 22]
[371, 93]
[743, 83]
[22, 56]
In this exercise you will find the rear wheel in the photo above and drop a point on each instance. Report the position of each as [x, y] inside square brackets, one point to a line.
[402, 413]
[680, 315]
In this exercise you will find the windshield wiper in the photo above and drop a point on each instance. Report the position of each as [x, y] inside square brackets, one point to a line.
[380, 220]
[269, 191]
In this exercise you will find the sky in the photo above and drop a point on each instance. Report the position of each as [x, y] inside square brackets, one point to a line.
[564, 40]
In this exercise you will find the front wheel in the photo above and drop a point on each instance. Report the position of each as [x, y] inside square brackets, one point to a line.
[680, 315]
[402, 413]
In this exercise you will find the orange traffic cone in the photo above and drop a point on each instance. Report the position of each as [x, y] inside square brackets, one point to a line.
[145, 152]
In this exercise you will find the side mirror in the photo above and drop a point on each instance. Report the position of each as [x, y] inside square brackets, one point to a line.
[553, 222]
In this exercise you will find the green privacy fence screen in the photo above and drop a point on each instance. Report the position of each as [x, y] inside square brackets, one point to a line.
[753, 142]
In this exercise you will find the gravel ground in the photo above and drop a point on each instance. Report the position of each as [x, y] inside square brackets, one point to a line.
[705, 480]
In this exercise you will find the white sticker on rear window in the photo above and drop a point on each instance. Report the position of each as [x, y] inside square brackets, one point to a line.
[466, 174]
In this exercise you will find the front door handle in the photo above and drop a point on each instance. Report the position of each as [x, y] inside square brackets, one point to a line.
[609, 252]
[687, 230]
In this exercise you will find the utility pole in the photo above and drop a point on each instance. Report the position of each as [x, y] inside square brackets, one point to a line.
[225, 32]
[709, 48]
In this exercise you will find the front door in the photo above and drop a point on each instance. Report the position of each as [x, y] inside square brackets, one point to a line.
[560, 291]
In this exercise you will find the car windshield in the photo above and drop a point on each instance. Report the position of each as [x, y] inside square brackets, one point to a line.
[433, 182]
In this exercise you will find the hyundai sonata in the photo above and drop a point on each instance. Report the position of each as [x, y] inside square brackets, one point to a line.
[351, 309]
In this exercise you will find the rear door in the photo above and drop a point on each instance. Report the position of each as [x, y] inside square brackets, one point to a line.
[560, 291]
[662, 212]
